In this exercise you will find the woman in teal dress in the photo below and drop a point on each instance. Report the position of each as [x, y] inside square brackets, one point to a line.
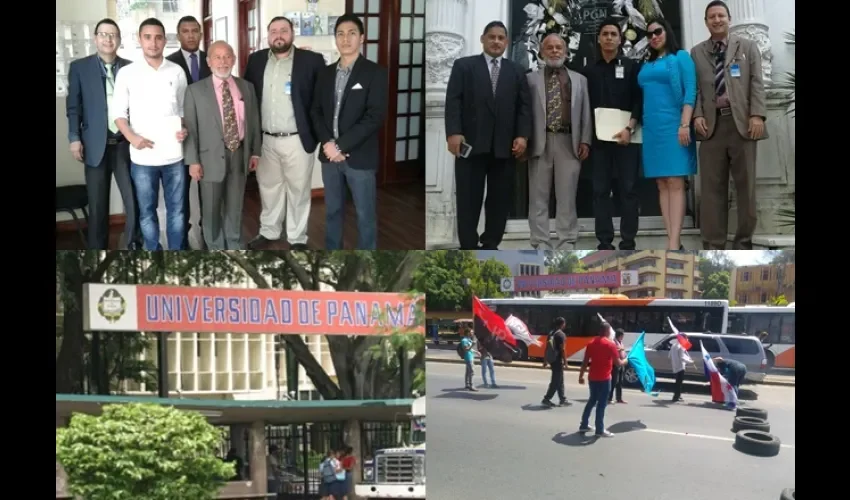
[669, 83]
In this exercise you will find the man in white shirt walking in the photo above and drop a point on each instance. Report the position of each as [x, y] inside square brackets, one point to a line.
[678, 358]
[148, 101]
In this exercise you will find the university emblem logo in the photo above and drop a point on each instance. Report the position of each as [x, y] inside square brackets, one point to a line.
[111, 305]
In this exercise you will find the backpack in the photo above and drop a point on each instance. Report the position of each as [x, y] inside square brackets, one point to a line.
[326, 469]
[460, 350]
[550, 356]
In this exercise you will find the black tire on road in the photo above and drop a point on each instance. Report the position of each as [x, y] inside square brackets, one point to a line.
[757, 443]
[750, 423]
[788, 494]
[751, 412]
[630, 377]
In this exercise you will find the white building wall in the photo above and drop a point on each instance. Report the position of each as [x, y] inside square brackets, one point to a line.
[453, 29]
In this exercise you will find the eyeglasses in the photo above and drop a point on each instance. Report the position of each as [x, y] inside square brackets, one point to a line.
[107, 36]
[656, 32]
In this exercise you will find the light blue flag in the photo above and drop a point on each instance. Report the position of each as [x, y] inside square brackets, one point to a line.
[644, 371]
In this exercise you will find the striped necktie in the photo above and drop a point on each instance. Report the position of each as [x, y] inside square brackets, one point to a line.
[110, 90]
[494, 75]
[719, 64]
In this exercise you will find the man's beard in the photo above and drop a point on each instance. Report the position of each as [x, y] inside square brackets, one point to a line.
[280, 49]
[556, 63]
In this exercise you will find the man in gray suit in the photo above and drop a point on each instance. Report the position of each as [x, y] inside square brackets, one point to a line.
[96, 141]
[222, 146]
[560, 141]
[729, 121]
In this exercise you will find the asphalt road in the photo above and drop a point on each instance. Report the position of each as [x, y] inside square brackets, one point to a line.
[501, 443]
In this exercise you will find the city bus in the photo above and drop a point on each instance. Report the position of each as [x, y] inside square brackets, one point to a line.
[634, 316]
[778, 322]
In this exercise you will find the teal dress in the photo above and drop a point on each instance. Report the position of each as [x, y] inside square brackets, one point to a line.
[668, 83]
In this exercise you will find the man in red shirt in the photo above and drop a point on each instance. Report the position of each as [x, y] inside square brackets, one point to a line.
[601, 354]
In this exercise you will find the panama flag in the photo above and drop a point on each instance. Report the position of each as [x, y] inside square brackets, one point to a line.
[493, 322]
[721, 390]
[520, 330]
[610, 328]
[686, 345]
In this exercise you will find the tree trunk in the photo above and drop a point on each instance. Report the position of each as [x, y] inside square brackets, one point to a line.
[69, 362]
[321, 380]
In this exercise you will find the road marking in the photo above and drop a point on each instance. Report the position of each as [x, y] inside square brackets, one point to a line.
[701, 436]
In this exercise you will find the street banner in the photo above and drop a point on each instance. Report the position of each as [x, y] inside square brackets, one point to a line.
[163, 308]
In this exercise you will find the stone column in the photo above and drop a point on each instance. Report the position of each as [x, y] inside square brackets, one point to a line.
[748, 21]
[444, 20]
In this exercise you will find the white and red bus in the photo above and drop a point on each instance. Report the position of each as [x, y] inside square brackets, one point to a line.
[634, 316]
[779, 325]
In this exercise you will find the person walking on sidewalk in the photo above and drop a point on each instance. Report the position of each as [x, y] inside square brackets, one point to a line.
[601, 354]
[487, 364]
[554, 357]
[618, 371]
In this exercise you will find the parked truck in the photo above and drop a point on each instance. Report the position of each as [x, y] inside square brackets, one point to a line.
[398, 473]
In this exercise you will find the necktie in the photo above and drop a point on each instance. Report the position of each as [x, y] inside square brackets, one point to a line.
[553, 103]
[195, 70]
[110, 89]
[494, 74]
[231, 128]
[719, 64]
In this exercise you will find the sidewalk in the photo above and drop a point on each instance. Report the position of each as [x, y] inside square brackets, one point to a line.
[780, 380]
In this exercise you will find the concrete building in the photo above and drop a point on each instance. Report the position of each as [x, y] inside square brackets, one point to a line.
[234, 365]
[521, 263]
[754, 285]
[673, 275]
[453, 30]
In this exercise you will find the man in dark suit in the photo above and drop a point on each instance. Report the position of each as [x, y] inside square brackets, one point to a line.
[193, 60]
[488, 107]
[283, 77]
[223, 144]
[96, 141]
[347, 128]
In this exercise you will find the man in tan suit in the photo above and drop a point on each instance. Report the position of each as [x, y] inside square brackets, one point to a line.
[560, 140]
[223, 145]
[729, 120]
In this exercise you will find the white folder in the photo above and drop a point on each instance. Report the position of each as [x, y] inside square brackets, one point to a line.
[611, 121]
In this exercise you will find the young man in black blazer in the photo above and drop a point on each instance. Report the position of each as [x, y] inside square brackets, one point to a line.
[284, 76]
[349, 109]
[193, 60]
[488, 107]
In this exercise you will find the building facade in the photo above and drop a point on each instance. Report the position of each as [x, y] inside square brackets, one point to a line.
[761, 285]
[521, 263]
[226, 365]
[453, 29]
[672, 275]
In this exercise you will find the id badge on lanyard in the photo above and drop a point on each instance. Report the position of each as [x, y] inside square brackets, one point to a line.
[619, 71]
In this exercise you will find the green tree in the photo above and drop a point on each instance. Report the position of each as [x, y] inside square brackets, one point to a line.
[778, 257]
[380, 271]
[778, 301]
[716, 286]
[449, 279]
[560, 262]
[142, 452]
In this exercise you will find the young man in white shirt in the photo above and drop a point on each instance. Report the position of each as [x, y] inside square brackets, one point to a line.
[678, 358]
[148, 101]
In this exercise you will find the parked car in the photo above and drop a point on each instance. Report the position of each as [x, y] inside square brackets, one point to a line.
[744, 348]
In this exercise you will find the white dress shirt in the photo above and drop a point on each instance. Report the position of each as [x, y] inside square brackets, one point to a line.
[146, 96]
[678, 356]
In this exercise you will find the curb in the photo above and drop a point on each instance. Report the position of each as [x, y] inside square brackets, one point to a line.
[539, 366]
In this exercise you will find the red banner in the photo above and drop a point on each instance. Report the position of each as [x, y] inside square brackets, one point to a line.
[238, 310]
